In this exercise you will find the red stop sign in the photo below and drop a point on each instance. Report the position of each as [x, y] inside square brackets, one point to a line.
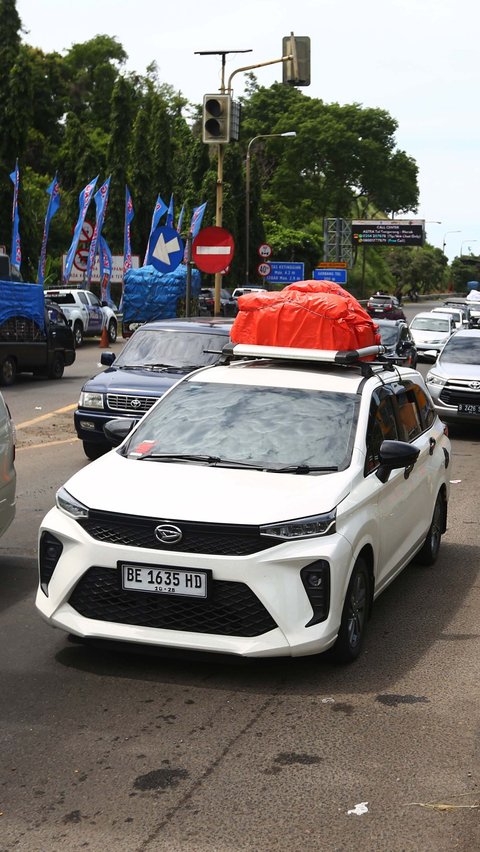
[212, 249]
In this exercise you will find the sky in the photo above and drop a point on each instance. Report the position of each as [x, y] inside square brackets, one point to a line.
[417, 59]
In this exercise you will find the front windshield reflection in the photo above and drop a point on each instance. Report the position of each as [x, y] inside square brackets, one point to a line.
[462, 350]
[170, 348]
[263, 426]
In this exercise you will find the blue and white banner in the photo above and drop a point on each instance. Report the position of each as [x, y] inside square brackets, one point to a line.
[127, 246]
[158, 211]
[169, 221]
[180, 219]
[52, 207]
[16, 250]
[195, 225]
[106, 266]
[101, 201]
[83, 201]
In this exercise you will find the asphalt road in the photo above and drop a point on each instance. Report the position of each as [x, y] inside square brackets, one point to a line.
[111, 749]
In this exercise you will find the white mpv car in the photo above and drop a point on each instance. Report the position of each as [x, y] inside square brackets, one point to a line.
[257, 509]
[8, 477]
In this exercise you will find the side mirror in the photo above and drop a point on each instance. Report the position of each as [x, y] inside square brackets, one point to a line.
[117, 430]
[395, 455]
[107, 358]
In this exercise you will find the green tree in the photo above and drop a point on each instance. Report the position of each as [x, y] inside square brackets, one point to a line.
[123, 107]
[92, 69]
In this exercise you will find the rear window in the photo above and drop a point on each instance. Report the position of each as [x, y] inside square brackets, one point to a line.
[62, 298]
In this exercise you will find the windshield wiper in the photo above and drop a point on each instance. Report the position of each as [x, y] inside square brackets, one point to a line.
[187, 457]
[304, 469]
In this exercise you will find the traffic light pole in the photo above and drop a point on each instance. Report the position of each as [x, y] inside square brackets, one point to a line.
[219, 219]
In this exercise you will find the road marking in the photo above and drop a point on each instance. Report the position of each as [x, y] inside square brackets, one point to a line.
[43, 417]
[46, 444]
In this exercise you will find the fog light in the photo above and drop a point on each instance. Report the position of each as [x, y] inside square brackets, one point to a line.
[316, 581]
[50, 551]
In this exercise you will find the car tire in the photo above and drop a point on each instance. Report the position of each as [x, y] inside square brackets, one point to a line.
[431, 546]
[57, 366]
[354, 615]
[112, 331]
[8, 371]
[94, 451]
[78, 334]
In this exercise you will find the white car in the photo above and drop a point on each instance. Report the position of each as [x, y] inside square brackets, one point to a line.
[7, 467]
[430, 332]
[257, 509]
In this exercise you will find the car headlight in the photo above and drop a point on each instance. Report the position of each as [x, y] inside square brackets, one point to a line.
[302, 527]
[434, 379]
[69, 505]
[90, 400]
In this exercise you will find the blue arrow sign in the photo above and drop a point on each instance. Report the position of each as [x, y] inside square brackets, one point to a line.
[165, 250]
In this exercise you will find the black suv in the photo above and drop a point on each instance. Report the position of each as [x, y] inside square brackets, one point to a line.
[156, 356]
[398, 341]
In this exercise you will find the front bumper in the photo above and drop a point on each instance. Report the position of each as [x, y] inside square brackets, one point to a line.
[89, 424]
[271, 578]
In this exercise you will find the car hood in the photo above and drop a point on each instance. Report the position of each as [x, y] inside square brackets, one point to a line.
[421, 336]
[142, 382]
[450, 370]
[204, 494]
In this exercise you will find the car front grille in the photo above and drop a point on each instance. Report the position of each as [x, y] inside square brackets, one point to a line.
[216, 539]
[231, 609]
[459, 393]
[129, 402]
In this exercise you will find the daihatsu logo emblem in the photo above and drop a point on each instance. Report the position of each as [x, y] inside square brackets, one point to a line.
[168, 534]
[474, 385]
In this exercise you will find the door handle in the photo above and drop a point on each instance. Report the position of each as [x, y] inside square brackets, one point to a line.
[433, 444]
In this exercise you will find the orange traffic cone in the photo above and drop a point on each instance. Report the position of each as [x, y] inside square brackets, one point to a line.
[104, 338]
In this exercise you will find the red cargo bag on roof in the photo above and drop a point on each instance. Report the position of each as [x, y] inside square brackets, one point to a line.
[304, 315]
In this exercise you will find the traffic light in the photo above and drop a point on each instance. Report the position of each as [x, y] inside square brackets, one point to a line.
[296, 71]
[217, 111]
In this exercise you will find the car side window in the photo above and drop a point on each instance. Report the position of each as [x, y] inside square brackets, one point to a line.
[425, 405]
[82, 298]
[382, 426]
[410, 420]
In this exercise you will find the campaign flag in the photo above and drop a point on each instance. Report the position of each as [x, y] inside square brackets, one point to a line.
[180, 219]
[101, 201]
[197, 217]
[169, 221]
[158, 211]
[127, 248]
[16, 252]
[195, 225]
[106, 265]
[83, 201]
[52, 207]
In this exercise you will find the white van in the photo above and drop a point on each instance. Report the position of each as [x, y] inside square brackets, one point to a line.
[7, 467]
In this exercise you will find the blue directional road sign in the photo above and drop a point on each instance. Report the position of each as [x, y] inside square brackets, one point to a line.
[285, 273]
[165, 249]
[339, 276]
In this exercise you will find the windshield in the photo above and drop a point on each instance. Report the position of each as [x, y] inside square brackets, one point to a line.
[388, 334]
[172, 348]
[430, 324]
[261, 426]
[462, 350]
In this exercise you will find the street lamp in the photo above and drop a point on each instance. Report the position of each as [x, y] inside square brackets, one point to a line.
[445, 235]
[463, 243]
[289, 133]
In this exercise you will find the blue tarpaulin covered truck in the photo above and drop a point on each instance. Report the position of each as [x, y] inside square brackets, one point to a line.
[151, 295]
